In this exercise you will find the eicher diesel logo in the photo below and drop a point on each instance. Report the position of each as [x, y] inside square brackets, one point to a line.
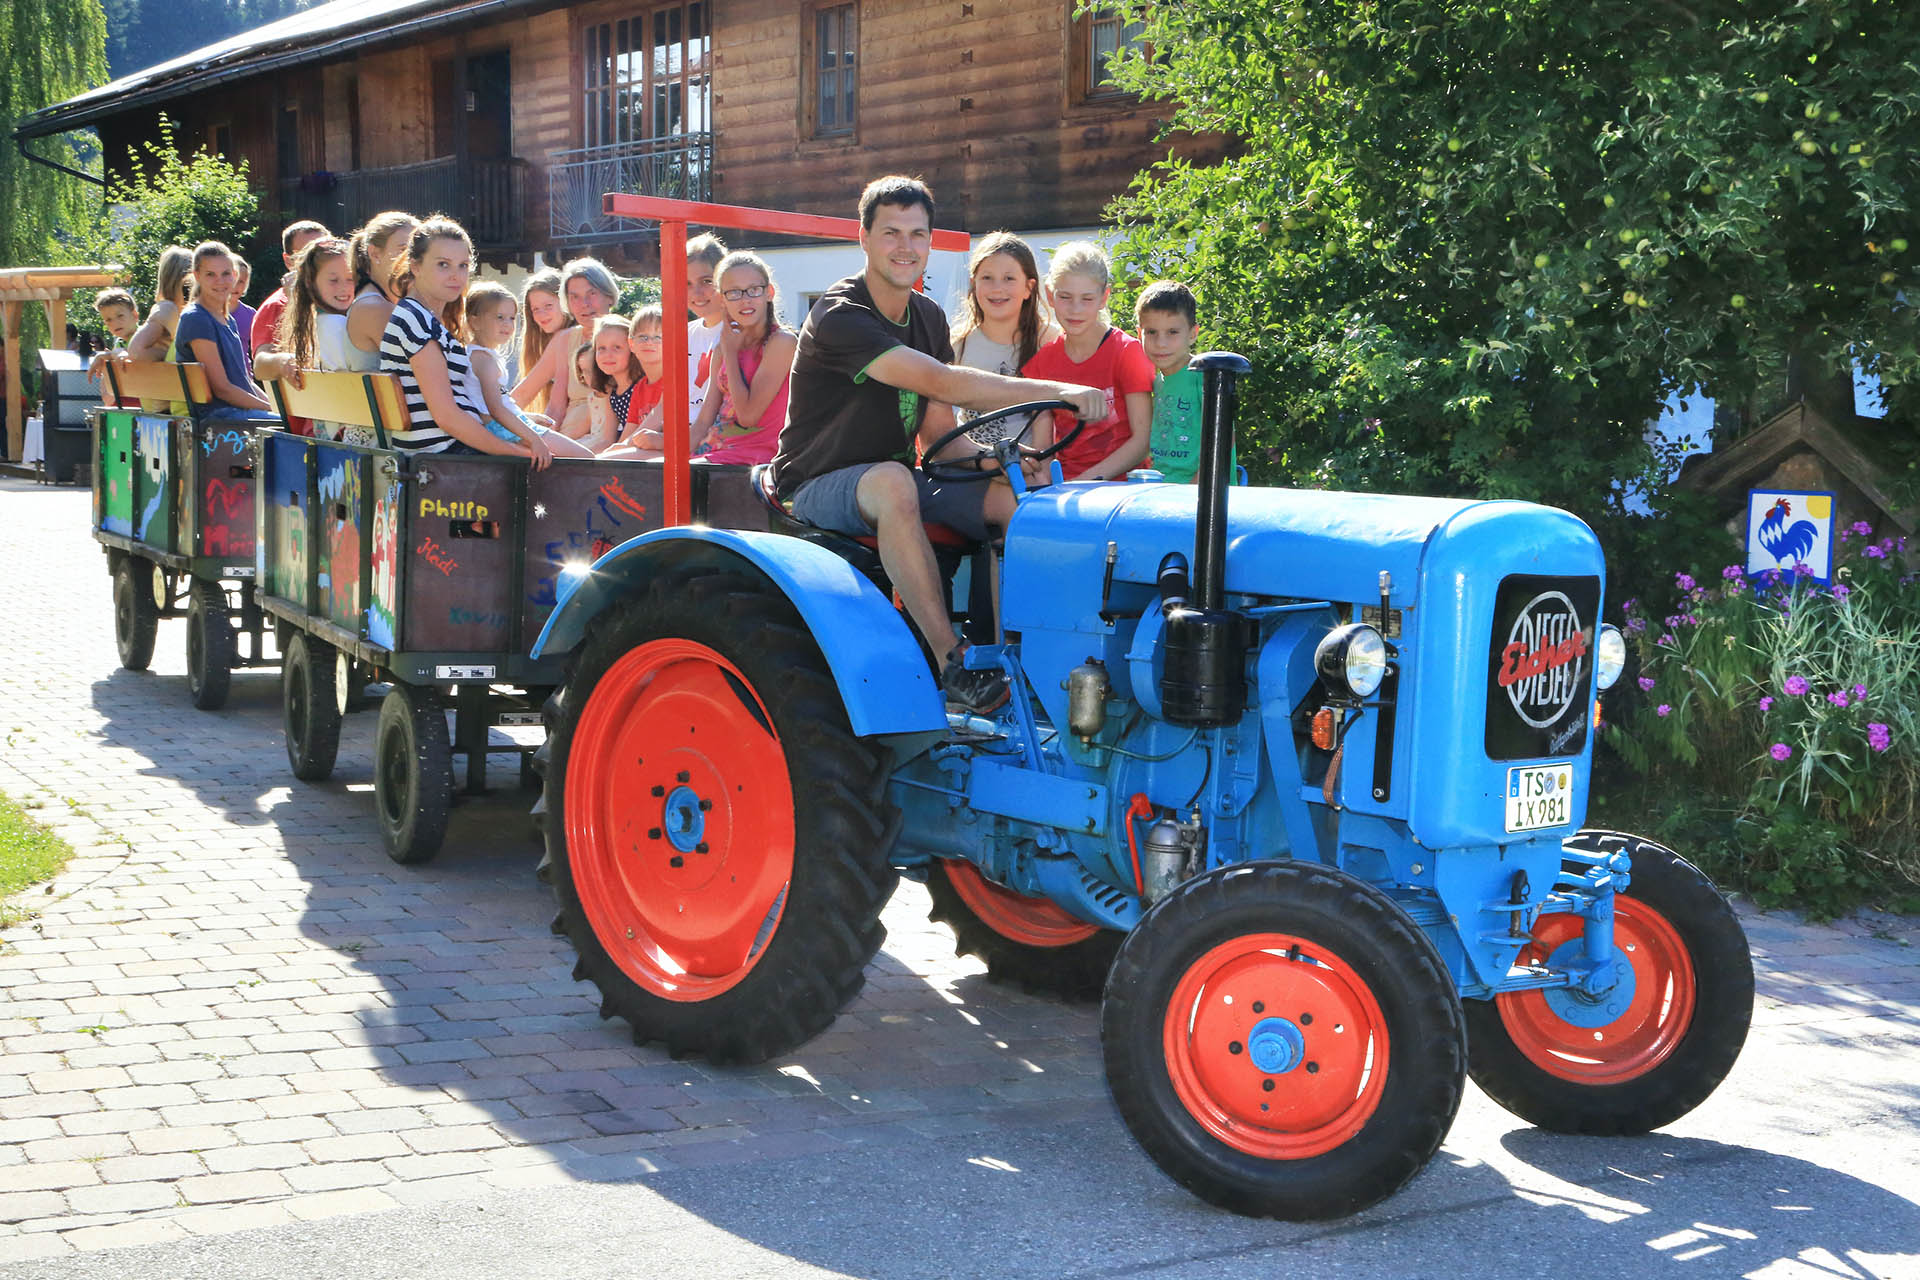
[1540, 666]
[1544, 663]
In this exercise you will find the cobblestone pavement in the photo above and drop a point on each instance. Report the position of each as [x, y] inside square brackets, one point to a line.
[233, 1011]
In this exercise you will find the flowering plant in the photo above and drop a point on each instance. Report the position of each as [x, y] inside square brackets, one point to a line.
[1796, 710]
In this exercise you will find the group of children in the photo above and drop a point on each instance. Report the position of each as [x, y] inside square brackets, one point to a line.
[397, 296]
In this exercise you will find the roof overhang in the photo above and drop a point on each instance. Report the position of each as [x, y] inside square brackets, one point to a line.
[320, 34]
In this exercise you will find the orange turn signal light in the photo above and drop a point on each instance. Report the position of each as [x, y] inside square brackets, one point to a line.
[1597, 722]
[1323, 728]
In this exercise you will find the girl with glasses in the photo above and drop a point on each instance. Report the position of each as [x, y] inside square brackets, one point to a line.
[751, 364]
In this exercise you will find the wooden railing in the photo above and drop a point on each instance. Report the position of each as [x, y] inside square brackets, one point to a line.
[679, 167]
[487, 197]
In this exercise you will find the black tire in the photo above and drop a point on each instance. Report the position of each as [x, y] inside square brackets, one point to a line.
[1363, 1136]
[310, 706]
[210, 647]
[821, 791]
[136, 617]
[1698, 1049]
[1074, 970]
[412, 773]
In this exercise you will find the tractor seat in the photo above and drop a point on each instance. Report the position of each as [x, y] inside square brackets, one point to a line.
[939, 535]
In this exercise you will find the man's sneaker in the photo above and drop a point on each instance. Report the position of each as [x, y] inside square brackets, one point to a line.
[975, 691]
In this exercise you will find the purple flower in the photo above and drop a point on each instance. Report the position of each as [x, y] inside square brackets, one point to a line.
[1794, 687]
[1859, 691]
[1646, 684]
[1689, 620]
[1668, 641]
[1879, 736]
[1733, 573]
[1862, 528]
[1628, 606]
[1663, 710]
[1766, 704]
[1838, 698]
[1876, 552]
[1780, 751]
[1636, 625]
[1841, 591]
[1801, 569]
[1683, 581]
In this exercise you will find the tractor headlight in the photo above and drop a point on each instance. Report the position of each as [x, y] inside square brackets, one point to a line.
[1352, 659]
[1609, 655]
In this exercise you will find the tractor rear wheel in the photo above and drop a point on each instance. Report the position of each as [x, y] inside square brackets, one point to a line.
[1665, 1038]
[1283, 1040]
[136, 614]
[717, 837]
[310, 706]
[1028, 942]
[210, 646]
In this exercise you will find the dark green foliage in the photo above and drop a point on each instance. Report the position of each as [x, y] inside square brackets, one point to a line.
[1471, 245]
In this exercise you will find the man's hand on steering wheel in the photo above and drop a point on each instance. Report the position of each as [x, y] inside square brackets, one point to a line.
[1010, 447]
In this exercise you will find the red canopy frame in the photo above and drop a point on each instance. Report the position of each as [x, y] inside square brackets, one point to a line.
[673, 217]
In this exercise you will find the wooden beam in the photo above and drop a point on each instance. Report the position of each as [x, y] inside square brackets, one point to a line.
[57, 321]
[16, 420]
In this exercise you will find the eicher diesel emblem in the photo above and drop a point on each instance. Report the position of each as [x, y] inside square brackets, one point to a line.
[1540, 669]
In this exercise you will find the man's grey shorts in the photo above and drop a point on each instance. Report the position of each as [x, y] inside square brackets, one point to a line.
[829, 502]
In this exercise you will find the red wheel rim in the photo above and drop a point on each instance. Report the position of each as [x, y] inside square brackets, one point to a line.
[684, 898]
[1331, 1088]
[1642, 1037]
[1016, 917]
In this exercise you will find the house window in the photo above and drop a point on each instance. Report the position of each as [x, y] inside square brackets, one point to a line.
[223, 141]
[832, 51]
[1099, 34]
[645, 75]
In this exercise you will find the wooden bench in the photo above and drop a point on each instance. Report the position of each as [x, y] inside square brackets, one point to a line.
[155, 384]
[372, 400]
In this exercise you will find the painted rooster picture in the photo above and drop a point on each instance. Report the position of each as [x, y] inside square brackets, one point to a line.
[1787, 543]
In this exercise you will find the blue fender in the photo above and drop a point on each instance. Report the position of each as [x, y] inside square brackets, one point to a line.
[875, 660]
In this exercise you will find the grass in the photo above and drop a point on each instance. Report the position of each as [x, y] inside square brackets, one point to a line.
[29, 854]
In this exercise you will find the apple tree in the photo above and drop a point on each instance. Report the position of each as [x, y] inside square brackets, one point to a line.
[1471, 245]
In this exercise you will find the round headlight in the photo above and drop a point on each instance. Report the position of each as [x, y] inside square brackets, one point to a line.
[1352, 659]
[1609, 655]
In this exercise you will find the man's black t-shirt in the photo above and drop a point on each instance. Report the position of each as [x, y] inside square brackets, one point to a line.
[836, 415]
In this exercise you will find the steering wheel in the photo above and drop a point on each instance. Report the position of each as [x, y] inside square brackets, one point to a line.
[1006, 442]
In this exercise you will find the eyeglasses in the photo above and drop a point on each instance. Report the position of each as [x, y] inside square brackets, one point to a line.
[648, 337]
[751, 291]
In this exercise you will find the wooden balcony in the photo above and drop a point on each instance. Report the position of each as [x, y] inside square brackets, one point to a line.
[680, 166]
[487, 197]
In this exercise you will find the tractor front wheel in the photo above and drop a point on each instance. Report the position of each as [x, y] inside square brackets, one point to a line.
[1659, 1043]
[1283, 1040]
[1028, 942]
[210, 646]
[718, 838]
[136, 614]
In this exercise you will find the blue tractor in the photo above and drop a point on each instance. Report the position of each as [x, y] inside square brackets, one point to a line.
[1296, 779]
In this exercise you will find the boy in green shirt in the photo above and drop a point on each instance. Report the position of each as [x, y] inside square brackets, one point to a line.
[1168, 320]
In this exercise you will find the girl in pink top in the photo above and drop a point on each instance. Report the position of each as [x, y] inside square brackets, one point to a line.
[752, 364]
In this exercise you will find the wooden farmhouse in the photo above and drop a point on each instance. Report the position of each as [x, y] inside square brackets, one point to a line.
[517, 115]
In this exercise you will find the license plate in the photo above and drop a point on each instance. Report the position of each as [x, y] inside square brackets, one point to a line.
[463, 673]
[1539, 796]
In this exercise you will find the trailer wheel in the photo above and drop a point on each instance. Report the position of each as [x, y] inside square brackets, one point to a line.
[1028, 942]
[717, 837]
[310, 706]
[136, 616]
[1283, 1041]
[210, 646]
[413, 772]
[1657, 1047]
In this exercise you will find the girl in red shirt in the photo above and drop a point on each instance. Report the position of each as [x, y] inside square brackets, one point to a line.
[1092, 353]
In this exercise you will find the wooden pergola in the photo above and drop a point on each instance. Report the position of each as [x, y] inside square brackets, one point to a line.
[50, 287]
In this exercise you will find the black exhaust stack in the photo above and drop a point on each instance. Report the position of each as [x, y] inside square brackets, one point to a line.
[1204, 682]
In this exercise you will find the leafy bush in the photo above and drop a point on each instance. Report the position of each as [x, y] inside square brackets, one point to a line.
[166, 199]
[1795, 709]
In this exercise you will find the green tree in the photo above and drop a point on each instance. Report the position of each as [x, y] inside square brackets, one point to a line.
[1471, 245]
[165, 199]
[49, 51]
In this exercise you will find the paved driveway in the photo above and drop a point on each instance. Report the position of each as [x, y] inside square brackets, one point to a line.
[239, 1041]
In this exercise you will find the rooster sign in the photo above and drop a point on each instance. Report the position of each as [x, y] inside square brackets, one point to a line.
[1788, 528]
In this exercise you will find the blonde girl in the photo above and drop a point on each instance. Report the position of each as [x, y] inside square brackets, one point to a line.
[640, 434]
[490, 315]
[377, 250]
[751, 365]
[617, 380]
[172, 290]
[1092, 353]
[1003, 321]
[589, 291]
[543, 316]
